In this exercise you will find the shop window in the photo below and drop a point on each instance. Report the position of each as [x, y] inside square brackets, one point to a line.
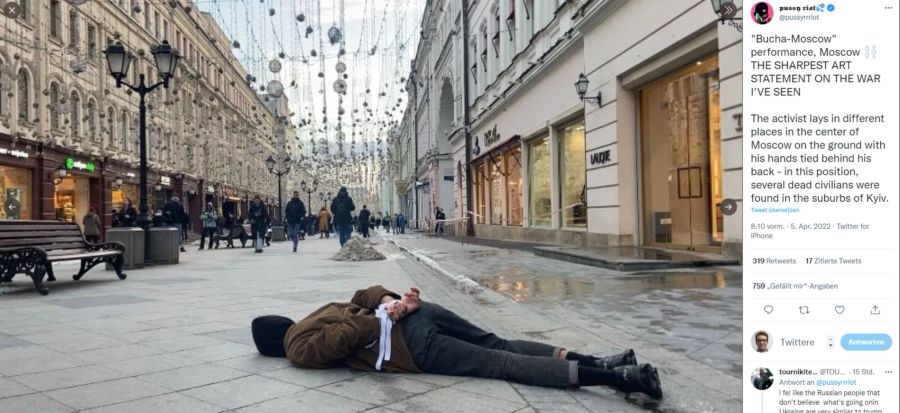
[480, 192]
[15, 193]
[572, 173]
[72, 199]
[496, 189]
[539, 182]
[22, 95]
[512, 159]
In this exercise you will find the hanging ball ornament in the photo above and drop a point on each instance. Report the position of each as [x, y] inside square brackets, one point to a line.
[275, 89]
[340, 67]
[301, 17]
[335, 35]
[340, 86]
[274, 66]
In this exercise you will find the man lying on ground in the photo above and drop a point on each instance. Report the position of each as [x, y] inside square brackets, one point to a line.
[380, 330]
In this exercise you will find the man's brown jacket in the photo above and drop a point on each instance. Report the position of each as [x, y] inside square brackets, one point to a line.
[347, 333]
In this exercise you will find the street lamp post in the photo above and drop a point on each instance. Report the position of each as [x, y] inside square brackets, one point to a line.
[118, 59]
[309, 191]
[279, 171]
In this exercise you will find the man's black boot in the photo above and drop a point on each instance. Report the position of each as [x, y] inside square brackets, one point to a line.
[643, 379]
[625, 358]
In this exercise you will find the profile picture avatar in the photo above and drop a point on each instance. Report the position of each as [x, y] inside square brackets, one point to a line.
[760, 341]
[762, 378]
[763, 12]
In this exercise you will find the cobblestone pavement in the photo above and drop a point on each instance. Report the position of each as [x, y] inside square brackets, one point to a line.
[177, 339]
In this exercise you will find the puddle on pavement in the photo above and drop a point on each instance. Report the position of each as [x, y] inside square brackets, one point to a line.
[670, 280]
[521, 284]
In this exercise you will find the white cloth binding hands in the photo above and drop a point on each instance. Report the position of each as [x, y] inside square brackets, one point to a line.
[384, 339]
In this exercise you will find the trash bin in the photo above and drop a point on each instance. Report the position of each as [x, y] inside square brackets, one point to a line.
[164, 245]
[133, 240]
[278, 233]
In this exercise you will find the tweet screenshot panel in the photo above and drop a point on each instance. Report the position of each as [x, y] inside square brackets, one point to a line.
[820, 206]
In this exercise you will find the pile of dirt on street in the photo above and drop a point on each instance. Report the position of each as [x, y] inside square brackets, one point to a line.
[358, 249]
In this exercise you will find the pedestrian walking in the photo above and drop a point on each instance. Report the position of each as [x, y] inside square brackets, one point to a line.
[128, 214]
[312, 222]
[401, 223]
[295, 212]
[210, 219]
[91, 226]
[386, 223]
[174, 215]
[324, 223]
[378, 220]
[364, 215]
[342, 208]
[372, 222]
[439, 218]
[259, 223]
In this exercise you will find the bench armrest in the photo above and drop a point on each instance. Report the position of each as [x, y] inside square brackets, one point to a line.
[106, 246]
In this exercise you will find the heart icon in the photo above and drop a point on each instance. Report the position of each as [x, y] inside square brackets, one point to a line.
[839, 309]
[768, 309]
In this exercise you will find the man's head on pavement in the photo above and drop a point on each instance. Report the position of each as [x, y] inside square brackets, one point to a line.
[296, 194]
[175, 198]
[268, 334]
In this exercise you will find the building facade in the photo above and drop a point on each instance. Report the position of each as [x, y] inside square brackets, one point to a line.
[208, 134]
[434, 109]
[646, 162]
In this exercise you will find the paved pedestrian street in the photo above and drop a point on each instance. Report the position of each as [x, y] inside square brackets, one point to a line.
[177, 338]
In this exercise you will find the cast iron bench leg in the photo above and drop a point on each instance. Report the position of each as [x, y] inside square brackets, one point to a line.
[37, 275]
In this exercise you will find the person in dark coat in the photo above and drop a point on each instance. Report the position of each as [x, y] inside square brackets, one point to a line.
[259, 222]
[128, 214]
[342, 208]
[378, 330]
[364, 216]
[439, 218]
[386, 223]
[174, 215]
[295, 213]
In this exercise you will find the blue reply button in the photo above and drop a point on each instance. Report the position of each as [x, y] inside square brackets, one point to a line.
[866, 342]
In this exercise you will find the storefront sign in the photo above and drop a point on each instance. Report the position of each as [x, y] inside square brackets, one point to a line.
[601, 158]
[229, 192]
[165, 180]
[491, 137]
[84, 166]
[14, 153]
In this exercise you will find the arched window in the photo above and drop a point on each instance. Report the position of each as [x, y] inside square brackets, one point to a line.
[93, 130]
[23, 84]
[111, 121]
[54, 101]
[125, 132]
[75, 115]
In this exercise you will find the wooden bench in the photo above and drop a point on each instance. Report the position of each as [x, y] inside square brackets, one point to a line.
[31, 248]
